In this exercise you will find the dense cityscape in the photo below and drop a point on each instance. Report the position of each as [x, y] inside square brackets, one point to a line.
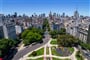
[44, 30]
[19, 33]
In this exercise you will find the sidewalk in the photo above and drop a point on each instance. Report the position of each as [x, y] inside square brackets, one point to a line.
[72, 57]
[21, 47]
[45, 52]
[74, 53]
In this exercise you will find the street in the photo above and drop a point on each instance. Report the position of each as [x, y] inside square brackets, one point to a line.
[23, 52]
[84, 53]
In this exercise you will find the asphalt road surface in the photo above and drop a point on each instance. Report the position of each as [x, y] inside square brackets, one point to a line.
[23, 52]
[86, 56]
[84, 53]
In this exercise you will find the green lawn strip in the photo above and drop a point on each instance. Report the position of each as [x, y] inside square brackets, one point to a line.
[71, 49]
[36, 59]
[60, 59]
[53, 41]
[79, 56]
[38, 52]
[47, 50]
[53, 50]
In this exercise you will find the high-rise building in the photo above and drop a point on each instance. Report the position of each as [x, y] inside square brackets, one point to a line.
[63, 15]
[1, 19]
[1, 26]
[76, 15]
[1, 32]
[88, 38]
[15, 14]
[9, 31]
[19, 29]
[50, 15]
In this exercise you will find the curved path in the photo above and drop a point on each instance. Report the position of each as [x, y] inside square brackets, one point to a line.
[72, 56]
[23, 52]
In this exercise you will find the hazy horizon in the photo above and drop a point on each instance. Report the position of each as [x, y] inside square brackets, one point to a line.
[45, 6]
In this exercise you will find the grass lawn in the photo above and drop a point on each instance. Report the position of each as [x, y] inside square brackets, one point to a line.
[47, 50]
[71, 49]
[38, 52]
[60, 59]
[53, 41]
[53, 50]
[36, 59]
[79, 56]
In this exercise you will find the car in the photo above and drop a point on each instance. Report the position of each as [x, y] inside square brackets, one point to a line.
[84, 51]
[88, 54]
[27, 46]
[34, 43]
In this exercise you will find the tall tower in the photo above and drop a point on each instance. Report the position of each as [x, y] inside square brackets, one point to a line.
[63, 15]
[1, 19]
[88, 37]
[15, 14]
[1, 26]
[50, 15]
[76, 15]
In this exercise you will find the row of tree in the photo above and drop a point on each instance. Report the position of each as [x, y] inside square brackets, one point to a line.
[67, 40]
[64, 39]
[84, 45]
[46, 25]
[32, 35]
[55, 33]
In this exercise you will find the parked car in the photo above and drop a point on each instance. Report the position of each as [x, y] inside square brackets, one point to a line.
[34, 43]
[88, 54]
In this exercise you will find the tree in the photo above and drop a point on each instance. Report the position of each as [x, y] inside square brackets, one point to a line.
[46, 25]
[32, 35]
[5, 46]
[54, 33]
[36, 30]
[62, 31]
[23, 35]
[34, 53]
[66, 40]
[84, 45]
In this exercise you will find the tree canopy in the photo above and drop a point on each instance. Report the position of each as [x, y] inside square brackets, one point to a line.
[32, 35]
[66, 40]
[55, 33]
[46, 25]
[5, 45]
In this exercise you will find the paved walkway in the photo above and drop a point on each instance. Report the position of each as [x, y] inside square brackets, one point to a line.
[50, 53]
[45, 52]
[72, 57]
[21, 47]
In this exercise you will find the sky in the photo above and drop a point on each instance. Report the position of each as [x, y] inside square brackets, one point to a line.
[45, 6]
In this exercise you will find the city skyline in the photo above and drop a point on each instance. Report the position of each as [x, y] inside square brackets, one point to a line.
[45, 6]
[44, 29]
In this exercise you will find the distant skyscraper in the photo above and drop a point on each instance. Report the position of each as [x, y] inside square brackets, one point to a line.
[1, 19]
[63, 15]
[9, 31]
[88, 38]
[1, 28]
[50, 15]
[15, 14]
[1, 32]
[76, 15]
